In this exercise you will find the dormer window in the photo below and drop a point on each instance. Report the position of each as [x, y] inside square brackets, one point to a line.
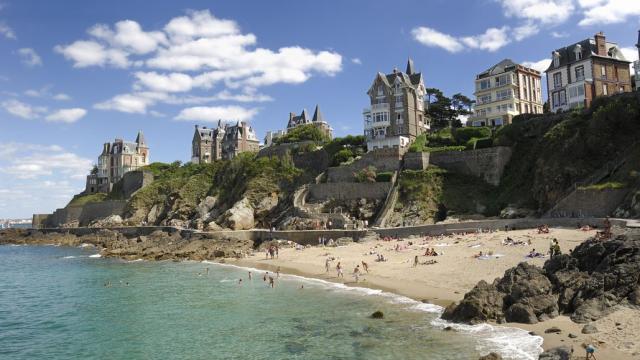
[556, 59]
[380, 91]
[578, 52]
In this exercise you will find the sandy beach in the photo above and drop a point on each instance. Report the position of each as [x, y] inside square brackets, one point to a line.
[455, 271]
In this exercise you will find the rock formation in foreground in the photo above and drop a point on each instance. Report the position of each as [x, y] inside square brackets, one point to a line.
[586, 285]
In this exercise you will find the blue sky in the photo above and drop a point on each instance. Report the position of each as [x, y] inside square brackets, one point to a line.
[75, 74]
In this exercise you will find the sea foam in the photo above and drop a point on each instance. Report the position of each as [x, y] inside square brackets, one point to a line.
[510, 342]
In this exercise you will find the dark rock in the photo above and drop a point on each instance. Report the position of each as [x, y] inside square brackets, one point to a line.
[377, 315]
[448, 328]
[589, 329]
[587, 285]
[491, 356]
[557, 353]
[552, 330]
[572, 336]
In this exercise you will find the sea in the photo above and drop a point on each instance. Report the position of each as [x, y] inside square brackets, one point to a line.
[70, 303]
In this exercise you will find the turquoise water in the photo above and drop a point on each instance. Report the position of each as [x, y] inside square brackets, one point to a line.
[54, 305]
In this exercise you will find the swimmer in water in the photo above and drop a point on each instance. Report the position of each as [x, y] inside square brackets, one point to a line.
[264, 278]
[271, 282]
[250, 275]
[239, 281]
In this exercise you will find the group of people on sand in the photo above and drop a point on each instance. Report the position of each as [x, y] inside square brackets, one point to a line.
[323, 241]
[543, 229]
[272, 251]
[430, 252]
[357, 272]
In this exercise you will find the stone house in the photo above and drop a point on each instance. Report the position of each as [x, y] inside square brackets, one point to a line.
[636, 65]
[223, 142]
[396, 115]
[117, 158]
[582, 71]
[295, 120]
[504, 91]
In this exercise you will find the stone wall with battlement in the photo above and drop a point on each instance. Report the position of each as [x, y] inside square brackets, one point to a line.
[349, 191]
[487, 164]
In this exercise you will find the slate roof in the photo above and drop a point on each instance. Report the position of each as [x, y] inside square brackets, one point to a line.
[568, 54]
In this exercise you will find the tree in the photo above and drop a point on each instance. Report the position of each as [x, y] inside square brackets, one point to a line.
[432, 92]
[308, 132]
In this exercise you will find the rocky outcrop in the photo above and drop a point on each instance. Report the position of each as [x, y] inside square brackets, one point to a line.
[240, 216]
[586, 285]
[159, 245]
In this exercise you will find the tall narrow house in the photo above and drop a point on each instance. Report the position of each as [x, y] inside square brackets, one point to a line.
[396, 115]
[223, 142]
[582, 71]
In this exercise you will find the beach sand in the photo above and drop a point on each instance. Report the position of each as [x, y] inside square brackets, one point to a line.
[455, 273]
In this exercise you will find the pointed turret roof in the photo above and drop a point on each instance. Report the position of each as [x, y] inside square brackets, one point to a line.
[317, 115]
[140, 139]
[304, 116]
[638, 44]
[410, 70]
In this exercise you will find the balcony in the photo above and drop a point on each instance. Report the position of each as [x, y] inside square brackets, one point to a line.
[370, 124]
[380, 107]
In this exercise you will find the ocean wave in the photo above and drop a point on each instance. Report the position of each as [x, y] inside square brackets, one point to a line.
[69, 257]
[95, 256]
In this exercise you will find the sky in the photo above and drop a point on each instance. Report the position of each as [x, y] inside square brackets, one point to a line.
[75, 74]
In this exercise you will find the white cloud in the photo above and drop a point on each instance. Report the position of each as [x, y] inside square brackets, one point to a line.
[631, 54]
[91, 53]
[61, 97]
[27, 161]
[541, 65]
[356, 61]
[192, 52]
[433, 38]
[492, 40]
[173, 82]
[67, 115]
[6, 31]
[559, 35]
[215, 113]
[30, 57]
[45, 92]
[129, 36]
[128, 103]
[597, 12]
[524, 31]
[543, 11]
[22, 110]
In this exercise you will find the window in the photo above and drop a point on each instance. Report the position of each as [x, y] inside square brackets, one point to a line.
[557, 80]
[485, 99]
[556, 59]
[503, 94]
[485, 84]
[380, 90]
[578, 52]
[603, 71]
[576, 91]
[579, 73]
[399, 119]
[501, 80]
[605, 91]
[563, 97]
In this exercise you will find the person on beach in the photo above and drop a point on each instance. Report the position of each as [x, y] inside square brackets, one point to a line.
[250, 275]
[415, 261]
[339, 270]
[266, 253]
[271, 282]
[277, 251]
[327, 263]
[356, 273]
[365, 266]
[278, 272]
[264, 278]
[590, 352]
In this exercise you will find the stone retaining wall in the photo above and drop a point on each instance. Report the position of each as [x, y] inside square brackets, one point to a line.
[416, 160]
[487, 164]
[100, 210]
[133, 181]
[589, 203]
[381, 159]
[349, 191]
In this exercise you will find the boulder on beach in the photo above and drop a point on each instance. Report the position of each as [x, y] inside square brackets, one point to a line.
[586, 285]
[377, 315]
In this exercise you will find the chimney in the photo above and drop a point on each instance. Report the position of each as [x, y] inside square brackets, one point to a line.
[601, 44]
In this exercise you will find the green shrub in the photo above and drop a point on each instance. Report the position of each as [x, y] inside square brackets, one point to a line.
[445, 148]
[419, 143]
[342, 156]
[463, 135]
[366, 175]
[384, 176]
[308, 132]
[80, 200]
